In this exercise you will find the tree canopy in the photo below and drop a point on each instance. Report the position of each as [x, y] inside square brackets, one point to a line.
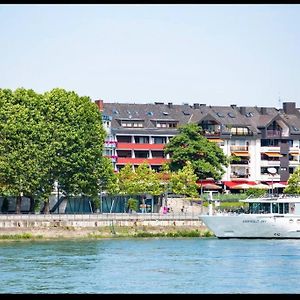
[207, 158]
[140, 181]
[293, 186]
[183, 182]
[52, 137]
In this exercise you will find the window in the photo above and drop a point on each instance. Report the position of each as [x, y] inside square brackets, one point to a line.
[220, 115]
[159, 140]
[141, 139]
[240, 131]
[186, 113]
[166, 124]
[141, 154]
[231, 115]
[132, 124]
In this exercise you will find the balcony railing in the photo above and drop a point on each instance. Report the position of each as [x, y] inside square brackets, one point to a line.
[241, 162]
[232, 175]
[239, 148]
[274, 133]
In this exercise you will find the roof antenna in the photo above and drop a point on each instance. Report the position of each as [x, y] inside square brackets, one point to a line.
[279, 100]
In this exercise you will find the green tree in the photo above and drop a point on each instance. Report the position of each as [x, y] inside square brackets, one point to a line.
[76, 144]
[207, 158]
[141, 181]
[57, 136]
[184, 182]
[22, 144]
[293, 186]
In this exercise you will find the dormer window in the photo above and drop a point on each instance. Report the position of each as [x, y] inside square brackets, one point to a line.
[132, 123]
[240, 131]
[166, 124]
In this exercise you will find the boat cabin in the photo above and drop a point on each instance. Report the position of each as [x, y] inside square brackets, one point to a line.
[273, 205]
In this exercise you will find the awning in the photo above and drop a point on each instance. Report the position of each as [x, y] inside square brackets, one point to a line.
[232, 184]
[238, 153]
[294, 153]
[210, 186]
[273, 154]
[216, 140]
[277, 184]
[242, 186]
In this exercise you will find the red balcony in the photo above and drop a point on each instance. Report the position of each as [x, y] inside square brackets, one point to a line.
[138, 161]
[135, 146]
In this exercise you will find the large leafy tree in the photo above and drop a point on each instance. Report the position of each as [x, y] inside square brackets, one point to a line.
[293, 186]
[207, 158]
[54, 137]
[76, 142]
[22, 143]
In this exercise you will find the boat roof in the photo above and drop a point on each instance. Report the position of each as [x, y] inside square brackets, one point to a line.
[280, 199]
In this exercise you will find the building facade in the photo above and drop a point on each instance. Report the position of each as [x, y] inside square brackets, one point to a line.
[262, 137]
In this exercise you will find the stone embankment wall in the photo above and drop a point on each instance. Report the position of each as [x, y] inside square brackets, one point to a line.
[99, 220]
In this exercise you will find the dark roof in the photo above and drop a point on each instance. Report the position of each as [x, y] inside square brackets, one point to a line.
[252, 117]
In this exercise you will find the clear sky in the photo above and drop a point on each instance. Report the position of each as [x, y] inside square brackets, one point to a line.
[215, 54]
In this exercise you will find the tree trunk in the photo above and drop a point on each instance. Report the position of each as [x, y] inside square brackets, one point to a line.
[46, 209]
[18, 204]
[31, 208]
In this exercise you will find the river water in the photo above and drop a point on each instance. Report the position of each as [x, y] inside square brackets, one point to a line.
[130, 266]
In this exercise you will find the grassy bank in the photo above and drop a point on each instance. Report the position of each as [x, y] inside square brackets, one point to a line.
[17, 234]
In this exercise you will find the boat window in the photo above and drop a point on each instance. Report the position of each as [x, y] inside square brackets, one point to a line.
[265, 208]
[259, 208]
[275, 208]
[283, 208]
[286, 208]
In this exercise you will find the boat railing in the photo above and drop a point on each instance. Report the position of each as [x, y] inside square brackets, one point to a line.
[271, 197]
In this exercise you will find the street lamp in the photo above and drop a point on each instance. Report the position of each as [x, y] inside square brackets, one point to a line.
[272, 171]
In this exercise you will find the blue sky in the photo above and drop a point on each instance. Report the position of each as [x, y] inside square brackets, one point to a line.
[215, 54]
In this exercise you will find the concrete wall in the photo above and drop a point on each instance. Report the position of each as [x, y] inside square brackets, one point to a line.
[97, 220]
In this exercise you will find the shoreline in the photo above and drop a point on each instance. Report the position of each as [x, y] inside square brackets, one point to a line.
[76, 233]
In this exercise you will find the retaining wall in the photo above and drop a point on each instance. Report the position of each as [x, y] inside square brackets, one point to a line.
[98, 220]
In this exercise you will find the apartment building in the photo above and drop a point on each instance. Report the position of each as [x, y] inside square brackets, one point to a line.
[262, 137]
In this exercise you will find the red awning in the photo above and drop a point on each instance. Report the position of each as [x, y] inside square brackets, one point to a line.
[231, 184]
[210, 186]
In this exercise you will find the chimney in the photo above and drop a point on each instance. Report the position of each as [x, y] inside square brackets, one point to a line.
[196, 105]
[202, 104]
[289, 107]
[170, 105]
[243, 110]
[233, 106]
[263, 110]
[99, 103]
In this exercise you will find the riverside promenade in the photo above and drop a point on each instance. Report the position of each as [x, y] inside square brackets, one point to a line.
[100, 220]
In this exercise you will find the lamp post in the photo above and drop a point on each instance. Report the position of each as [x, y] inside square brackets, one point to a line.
[272, 171]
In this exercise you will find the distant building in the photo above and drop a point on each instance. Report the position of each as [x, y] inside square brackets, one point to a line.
[262, 137]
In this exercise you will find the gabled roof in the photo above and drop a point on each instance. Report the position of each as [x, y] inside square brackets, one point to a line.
[252, 117]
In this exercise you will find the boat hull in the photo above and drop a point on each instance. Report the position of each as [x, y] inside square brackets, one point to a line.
[273, 226]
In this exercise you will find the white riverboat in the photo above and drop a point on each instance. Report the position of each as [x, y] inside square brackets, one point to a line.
[269, 217]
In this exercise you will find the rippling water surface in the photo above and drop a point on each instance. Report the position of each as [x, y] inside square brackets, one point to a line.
[190, 265]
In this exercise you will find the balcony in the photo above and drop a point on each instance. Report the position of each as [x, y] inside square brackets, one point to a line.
[241, 162]
[135, 146]
[138, 161]
[239, 148]
[274, 133]
[110, 144]
[235, 175]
